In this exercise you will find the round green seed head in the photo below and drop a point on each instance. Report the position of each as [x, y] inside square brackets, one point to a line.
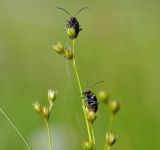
[68, 54]
[91, 116]
[71, 33]
[87, 145]
[103, 96]
[111, 139]
[114, 106]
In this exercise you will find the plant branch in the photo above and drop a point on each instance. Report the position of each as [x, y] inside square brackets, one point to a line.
[81, 93]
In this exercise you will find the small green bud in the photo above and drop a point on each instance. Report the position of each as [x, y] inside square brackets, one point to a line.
[52, 94]
[58, 47]
[111, 139]
[103, 96]
[87, 145]
[91, 116]
[45, 112]
[68, 54]
[114, 106]
[37, 107]
[71, 33]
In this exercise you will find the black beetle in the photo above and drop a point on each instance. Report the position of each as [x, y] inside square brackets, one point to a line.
[92, 102]
[73, 22]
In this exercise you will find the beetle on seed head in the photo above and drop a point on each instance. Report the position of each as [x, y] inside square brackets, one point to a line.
[92, 103]
[73, 27]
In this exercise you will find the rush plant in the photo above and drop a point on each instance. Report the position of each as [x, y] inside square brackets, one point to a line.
[89, 100]
[90, 107]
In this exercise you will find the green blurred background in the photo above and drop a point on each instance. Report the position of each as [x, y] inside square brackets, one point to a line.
[119, 44]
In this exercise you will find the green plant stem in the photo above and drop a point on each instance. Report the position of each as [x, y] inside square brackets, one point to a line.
[16, 129]
[107, 147]
[111, 123]
[81, 93]
[92, 130]
[49, 135]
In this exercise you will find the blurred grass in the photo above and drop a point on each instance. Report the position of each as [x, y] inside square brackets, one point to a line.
[119, 44]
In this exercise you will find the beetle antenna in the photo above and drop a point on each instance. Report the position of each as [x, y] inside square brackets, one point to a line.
[82, 9]
[64, 10]
[96, 83]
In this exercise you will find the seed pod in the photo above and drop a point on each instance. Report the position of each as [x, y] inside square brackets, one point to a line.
[45, 112]
[111, 139]
[37, 107]
[58, 47]
[52, 94]
[71, 33]
[103, 96]
[114, 106]
[87, 145]
[91, 116]
[68, 54]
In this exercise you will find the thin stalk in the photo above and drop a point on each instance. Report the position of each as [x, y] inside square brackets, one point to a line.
[81, 93]
[49, 135]
[92, 130]
[111, 123]
[106, 146]
[16, 129]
